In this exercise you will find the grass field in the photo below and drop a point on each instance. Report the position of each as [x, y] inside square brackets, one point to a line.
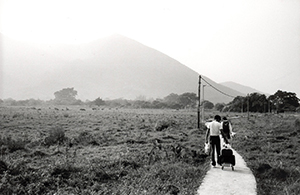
[270, 146]
[80, 150]
[101, 151]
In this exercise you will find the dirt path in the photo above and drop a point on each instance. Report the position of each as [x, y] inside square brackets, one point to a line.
[228, 182]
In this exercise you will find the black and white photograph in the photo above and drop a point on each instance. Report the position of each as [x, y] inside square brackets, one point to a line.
[139, 97]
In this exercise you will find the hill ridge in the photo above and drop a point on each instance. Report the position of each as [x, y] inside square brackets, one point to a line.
[111, 67]
[241, 88]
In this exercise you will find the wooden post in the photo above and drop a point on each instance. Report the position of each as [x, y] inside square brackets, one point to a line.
[248, 102]
[199, 101]
[203, 109]
[242, 107]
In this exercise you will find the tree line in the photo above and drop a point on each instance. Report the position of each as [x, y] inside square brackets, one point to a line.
[281, 101]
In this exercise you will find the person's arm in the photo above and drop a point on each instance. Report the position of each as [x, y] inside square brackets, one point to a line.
[223, 135]
[221, 129]
[207, 135]
[230, 128]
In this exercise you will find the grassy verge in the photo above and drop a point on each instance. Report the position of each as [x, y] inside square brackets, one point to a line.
[270, 146]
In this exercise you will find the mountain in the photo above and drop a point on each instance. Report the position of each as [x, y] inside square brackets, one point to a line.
[112, 67]
[241, 88]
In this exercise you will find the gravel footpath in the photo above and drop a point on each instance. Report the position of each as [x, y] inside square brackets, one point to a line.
[228, 182]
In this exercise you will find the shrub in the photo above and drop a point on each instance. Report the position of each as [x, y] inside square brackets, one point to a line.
[11, 144]
[56, 135]
[84, 138]
[64, 170]
[164, 124]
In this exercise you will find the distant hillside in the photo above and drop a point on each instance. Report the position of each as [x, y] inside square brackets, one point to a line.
[241, 88]
[113, 67]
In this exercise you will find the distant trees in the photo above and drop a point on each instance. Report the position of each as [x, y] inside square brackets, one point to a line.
[28, 102]
[258, 103]
[255, 102]
[219, 106]
[118, 103]
[185, 100]
[207, 104]
[98, 102]
[284, 101]
[66, 96]
[281, 101]
[236, 105]
[188, 100]
[172, 101]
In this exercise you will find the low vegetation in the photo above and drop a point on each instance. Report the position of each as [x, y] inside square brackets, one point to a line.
[81, 150]
[270, 146]
[104, 151]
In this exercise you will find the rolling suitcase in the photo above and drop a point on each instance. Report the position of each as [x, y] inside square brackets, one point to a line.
[227, 158]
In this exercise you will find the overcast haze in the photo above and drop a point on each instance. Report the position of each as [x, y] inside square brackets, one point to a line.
[254, 43]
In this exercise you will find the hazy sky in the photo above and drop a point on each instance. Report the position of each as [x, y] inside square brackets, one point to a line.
[252, 42]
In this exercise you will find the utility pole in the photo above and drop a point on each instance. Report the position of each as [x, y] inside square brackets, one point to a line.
[242, 106]
[248, 104]
[203, 103]
[199, 101]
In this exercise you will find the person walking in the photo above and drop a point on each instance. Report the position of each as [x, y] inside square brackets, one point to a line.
[227, 130]
[213, 135]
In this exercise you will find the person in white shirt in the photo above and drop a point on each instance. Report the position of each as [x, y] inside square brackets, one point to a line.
[213, 135]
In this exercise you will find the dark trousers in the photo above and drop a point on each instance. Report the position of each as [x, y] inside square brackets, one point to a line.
[215, 145]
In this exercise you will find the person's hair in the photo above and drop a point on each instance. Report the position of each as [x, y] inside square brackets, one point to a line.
[217, 118]
[224, 118]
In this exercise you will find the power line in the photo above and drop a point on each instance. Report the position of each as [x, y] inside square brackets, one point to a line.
[218, 89]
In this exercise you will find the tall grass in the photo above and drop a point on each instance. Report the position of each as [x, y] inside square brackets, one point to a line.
[102, 152]
[271, 149]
